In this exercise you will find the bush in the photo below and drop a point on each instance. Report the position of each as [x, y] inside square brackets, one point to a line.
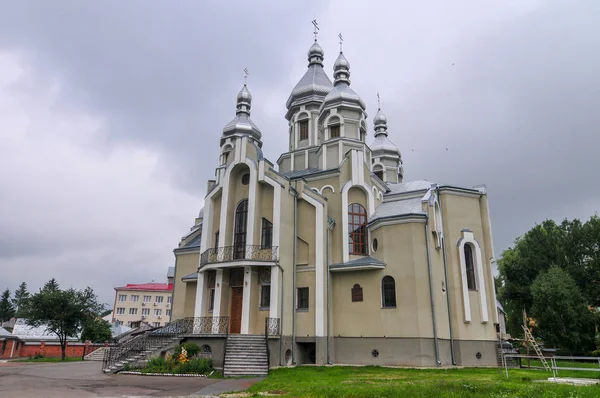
[596, 353]
[38, 355]
[191, 348]
[168, 365]
[197, 366]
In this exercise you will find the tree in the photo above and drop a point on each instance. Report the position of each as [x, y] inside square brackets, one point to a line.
[7, 310]
[21, 295]
[96, 330]
[63, 312]
[562, 317]
[571, 245]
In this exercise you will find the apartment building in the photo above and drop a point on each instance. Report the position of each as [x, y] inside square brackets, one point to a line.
[148, 302]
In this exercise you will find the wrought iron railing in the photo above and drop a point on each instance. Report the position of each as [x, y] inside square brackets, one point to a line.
[162, 337]
[271, 329]
[232, 253]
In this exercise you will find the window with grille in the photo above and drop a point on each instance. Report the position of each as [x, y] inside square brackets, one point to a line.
[267, 234]
[239, 237]
[388, 292]
[334, 131]
[302, 303]
[357, 227]
[470, 267]
[303, 124]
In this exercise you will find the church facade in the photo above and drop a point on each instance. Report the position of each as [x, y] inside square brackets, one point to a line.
[330, 251]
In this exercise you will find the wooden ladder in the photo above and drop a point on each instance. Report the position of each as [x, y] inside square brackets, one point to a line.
[529, 339]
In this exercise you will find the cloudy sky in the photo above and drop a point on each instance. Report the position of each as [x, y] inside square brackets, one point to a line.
[111, 112]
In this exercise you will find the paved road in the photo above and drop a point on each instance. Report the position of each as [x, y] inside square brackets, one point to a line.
[85, 379]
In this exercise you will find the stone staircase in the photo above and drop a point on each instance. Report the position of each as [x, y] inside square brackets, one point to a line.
[137, 351]
[96, 355]
[246, 355]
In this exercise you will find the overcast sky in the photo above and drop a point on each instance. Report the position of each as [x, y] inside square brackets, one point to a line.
[111, 113]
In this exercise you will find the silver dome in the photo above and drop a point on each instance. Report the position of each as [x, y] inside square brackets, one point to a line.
[380, 120]
[244, 95]
[383, 146]
[241, 125]
[341, 63]
[315, 51]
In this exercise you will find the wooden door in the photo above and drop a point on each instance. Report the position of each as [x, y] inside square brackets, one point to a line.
[235, 320]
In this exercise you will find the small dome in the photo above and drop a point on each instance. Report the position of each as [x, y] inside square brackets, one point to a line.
[315, 51]
[244, 95]
[341, 63]
[201, 214]
[382, 145]
[380, 119]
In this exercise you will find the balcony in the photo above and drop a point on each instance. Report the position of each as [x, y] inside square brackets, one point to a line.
[238, 253]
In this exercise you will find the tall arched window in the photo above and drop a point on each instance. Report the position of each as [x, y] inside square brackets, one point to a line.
[388, 292]
[239, 237]
[357, 229]
[470, 267]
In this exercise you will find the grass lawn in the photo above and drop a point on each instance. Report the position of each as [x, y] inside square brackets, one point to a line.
[48, 360]
[355, 382]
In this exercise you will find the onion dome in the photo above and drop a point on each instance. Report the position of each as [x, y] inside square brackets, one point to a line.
[241, 125]
[382, 146]
[314, 85]
[341, 92]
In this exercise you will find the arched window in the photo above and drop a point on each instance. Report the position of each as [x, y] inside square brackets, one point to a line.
[239, 237]
[378, 171]
[303, 129]
[470, 267]
[388, 292]
[357, 227]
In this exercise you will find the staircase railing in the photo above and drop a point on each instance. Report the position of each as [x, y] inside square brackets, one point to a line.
[271, 329]
[163, 336]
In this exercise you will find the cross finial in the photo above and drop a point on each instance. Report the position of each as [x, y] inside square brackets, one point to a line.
[378, 102]
[341, 41]
[316, 25]
[246, 73]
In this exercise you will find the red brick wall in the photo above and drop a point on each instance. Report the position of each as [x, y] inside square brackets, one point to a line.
[49, 350]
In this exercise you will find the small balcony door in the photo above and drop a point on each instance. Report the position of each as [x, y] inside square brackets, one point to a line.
[241, 224]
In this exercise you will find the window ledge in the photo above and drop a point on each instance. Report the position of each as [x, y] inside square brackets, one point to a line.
[388, 308]
[301, 309]
[264, 308]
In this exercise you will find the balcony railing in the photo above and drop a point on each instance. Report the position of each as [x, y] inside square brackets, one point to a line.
[234, 253]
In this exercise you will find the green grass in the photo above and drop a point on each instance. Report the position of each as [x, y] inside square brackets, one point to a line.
[75, 359]
[357, 382]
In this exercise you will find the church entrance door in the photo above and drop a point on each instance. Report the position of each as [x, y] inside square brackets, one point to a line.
[237, 295]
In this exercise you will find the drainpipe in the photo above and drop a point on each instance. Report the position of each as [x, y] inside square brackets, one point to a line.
[282, 284]
[451, 329]
[330, 226]
[295, 193]
[435, 336]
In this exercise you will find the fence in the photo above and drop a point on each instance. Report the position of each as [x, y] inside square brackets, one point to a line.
[554, 366]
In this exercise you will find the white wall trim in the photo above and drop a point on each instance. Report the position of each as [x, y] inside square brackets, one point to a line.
[199, 306]
[469, 238]
[319, 266]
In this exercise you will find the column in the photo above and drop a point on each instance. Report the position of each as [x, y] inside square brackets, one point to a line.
[246, 300]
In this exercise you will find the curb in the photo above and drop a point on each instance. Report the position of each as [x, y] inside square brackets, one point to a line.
[164, 374]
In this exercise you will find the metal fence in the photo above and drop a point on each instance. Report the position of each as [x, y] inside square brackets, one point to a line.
[554, 368]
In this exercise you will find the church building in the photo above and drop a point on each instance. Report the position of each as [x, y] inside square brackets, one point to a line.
[330, 252]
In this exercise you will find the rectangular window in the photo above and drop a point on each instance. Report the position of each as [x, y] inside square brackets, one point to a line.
[303, 130]
[158, 299]
[156, 324]
[211, 299]
[145, 311]
[120, 311]
[168, 312]
[265, 296]
[147, 299]
[216, 239]
[133, 311]
[170, 299]
[135, 298]
[267, 234]
[334, 131]
[122, 297]
[302, 303]
[157, 312]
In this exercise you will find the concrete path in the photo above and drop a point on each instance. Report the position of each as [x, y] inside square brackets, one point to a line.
[85, 379]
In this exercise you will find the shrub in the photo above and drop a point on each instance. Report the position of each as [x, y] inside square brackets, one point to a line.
[596, 353]
[38, 356]
[196, 365]
[191, 348]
